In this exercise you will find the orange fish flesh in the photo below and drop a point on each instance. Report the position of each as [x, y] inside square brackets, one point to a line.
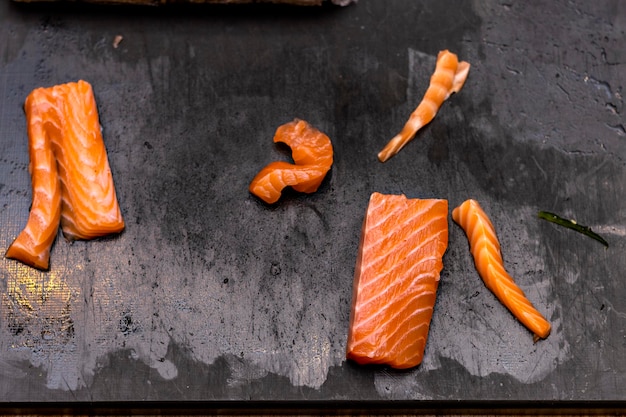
[396, 278]
[70, 174]
[89, 205]
[312, 153]
[32, 245]
[448, 77]
[485, 249]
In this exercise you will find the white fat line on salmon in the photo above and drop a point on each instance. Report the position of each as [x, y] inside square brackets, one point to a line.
[407, 257]
[407, 312]
[416, 284]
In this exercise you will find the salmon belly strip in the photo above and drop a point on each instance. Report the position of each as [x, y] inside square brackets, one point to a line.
[396, 278]
[312, 153]
[32, 245]
[485, 249]
[448, 77]
[71, 178]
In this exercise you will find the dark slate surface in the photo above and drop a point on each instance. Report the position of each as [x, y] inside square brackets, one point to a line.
[210, 295]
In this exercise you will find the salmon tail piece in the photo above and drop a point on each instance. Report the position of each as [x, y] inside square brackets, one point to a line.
[462, 71]
[395, 280]
[485, 248]
[312, 153]
[449, 77]
[32, 245]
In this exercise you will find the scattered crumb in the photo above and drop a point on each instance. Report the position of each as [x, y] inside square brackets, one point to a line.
[117, 40]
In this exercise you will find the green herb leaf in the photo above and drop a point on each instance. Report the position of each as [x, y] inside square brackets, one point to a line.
[571, 224]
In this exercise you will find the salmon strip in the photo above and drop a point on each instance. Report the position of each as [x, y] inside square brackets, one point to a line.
[396, 278]
[71, 178]
[89, 205]
[448, 77]
[485, 249]
[32, 245]
[312, 153]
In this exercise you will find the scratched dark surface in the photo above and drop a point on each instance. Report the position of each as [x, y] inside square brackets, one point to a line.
[209, 295]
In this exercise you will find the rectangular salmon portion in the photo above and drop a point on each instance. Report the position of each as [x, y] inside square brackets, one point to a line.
[396, 278]
[89, 202]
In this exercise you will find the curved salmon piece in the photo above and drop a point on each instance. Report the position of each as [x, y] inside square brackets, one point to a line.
[485, 249]
[312, 153]
[448, 77]
[89, 205]
[32, 245]
[308, 145]
[396, 279]
[272, 179]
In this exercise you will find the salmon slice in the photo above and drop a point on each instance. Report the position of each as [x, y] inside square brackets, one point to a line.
[312, 153]
[89, 202]
[32, 245]
[396, 278]
[485, 249]
[448, 77]
[71, 178]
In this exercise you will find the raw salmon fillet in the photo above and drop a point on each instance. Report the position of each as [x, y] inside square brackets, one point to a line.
[312, 153]
[396, 278]
[89, 205]
[485, 248]
[70, 174]
[449, 76]
[32, 245]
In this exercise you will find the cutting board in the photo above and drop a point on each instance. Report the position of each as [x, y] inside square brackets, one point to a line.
[212, 296]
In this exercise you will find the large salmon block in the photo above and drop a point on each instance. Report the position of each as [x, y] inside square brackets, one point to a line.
[89, 206]
[396, 278]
